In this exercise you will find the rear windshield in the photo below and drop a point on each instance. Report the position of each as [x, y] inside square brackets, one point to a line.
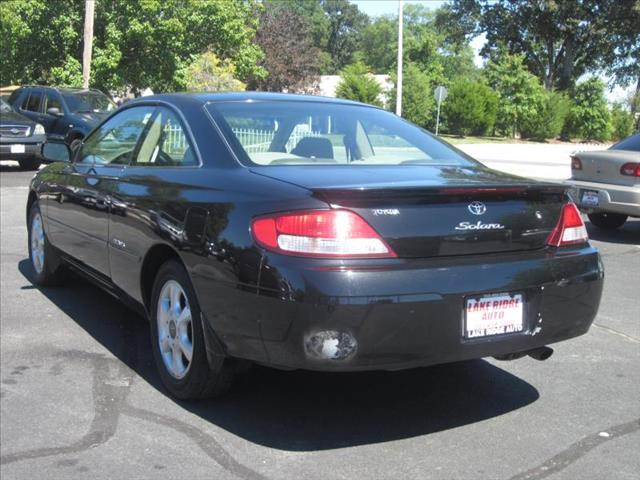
[632, 143]
[313, 133]
[88, 102]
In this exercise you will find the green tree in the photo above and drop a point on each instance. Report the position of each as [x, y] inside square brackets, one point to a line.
[470, 107]
[356, 83]
[589, 117]
[418, 103]
[622, 122]
[345, 25]
[519, 91]
[559, 40]
[291, 60]
[208, 74]
[548, 118]
[379, 43]
[137, 43]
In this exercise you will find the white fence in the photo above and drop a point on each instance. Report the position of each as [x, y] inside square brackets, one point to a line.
[257, 141]
[253, 141]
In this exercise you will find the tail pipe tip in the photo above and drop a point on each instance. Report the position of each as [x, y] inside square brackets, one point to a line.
[541, 353]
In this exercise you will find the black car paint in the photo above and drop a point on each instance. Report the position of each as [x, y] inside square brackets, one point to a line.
[67, 126]
[261, 306]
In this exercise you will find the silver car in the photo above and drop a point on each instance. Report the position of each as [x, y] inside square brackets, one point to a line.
[606, 184]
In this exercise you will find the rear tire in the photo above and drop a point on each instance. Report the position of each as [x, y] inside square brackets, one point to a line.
[178, 341]
[607, 221]
[75, 144]
[45, 260]
[32, 163]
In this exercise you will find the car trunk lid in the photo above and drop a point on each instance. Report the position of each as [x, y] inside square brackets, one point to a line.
[431, 211]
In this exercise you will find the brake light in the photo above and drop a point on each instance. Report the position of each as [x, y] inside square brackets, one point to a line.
[630, 169]
[576, 163]
[570, 229]
[320, 233]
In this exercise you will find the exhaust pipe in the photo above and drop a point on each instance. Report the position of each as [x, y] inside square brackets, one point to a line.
[541, 353]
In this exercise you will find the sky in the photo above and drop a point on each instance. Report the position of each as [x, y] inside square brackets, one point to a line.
[375, 8]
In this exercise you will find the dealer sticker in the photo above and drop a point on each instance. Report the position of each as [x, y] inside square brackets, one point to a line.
[494, 315]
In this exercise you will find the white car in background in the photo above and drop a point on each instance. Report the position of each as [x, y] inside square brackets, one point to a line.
[605, 184]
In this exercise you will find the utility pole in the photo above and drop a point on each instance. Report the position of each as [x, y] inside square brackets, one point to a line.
[89, 6]
[399, 81]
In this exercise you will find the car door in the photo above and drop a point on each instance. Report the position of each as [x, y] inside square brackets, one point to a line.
[79, 211]
[151, 203]
[53, 124]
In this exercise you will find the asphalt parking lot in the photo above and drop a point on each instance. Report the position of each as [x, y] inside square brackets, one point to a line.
[79, 396]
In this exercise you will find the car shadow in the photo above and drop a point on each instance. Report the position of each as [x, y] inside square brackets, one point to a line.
[308, 411]
[628, 234]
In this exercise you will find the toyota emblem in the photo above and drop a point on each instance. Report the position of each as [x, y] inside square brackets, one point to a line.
[477, 208]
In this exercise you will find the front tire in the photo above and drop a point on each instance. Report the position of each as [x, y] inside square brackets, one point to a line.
[32, 163]
[607, 221]
[178, 341]
[45, 260]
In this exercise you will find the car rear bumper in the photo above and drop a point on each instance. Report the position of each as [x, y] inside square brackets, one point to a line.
[611, 198]
[405, 314]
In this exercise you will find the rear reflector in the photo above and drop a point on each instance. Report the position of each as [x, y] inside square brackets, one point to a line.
[320, 233]
[570, 229]
[576, 163]
[630, 169]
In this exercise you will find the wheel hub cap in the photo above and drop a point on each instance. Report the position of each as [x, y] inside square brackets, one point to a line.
[175, 329]
[37, 243]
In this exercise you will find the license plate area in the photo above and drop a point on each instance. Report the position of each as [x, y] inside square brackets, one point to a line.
[589, 198]
[493, 315]
[17, 148]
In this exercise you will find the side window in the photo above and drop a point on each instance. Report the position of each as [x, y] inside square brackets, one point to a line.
[115, 140]
[52, 100]
[33, 102]
[165, 143]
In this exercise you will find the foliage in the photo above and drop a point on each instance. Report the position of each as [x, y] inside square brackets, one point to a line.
[548, 118]
[559, 40]
[291, 60]
[622, 122]
[208, 74]
[589, 117]
[356, 83]
[519, 91]
[418, 103]
[470, 107]
[137, 43]
[380, 44]
[345, 22]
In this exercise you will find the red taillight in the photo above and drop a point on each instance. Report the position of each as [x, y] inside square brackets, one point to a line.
[576, 163]
[630, 169]
[570, 229]
[320, 233]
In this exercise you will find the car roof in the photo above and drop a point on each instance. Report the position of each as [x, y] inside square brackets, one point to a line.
[64, 89]
[206, 97]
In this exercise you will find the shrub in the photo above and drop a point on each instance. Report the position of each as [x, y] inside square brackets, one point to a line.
[622, 122]
[356, 83]
[548, 117]
[519, 91]
[589, 117]
[207, 73]
[418, 103]
[470, 107]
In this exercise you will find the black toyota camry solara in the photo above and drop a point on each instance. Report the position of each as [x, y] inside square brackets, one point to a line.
[308, 233]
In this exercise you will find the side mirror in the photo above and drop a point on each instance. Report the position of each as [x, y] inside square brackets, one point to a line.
[56, 152]
[55, 111]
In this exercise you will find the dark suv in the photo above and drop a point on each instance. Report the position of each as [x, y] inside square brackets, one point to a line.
[21, 138]
[67, 114]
